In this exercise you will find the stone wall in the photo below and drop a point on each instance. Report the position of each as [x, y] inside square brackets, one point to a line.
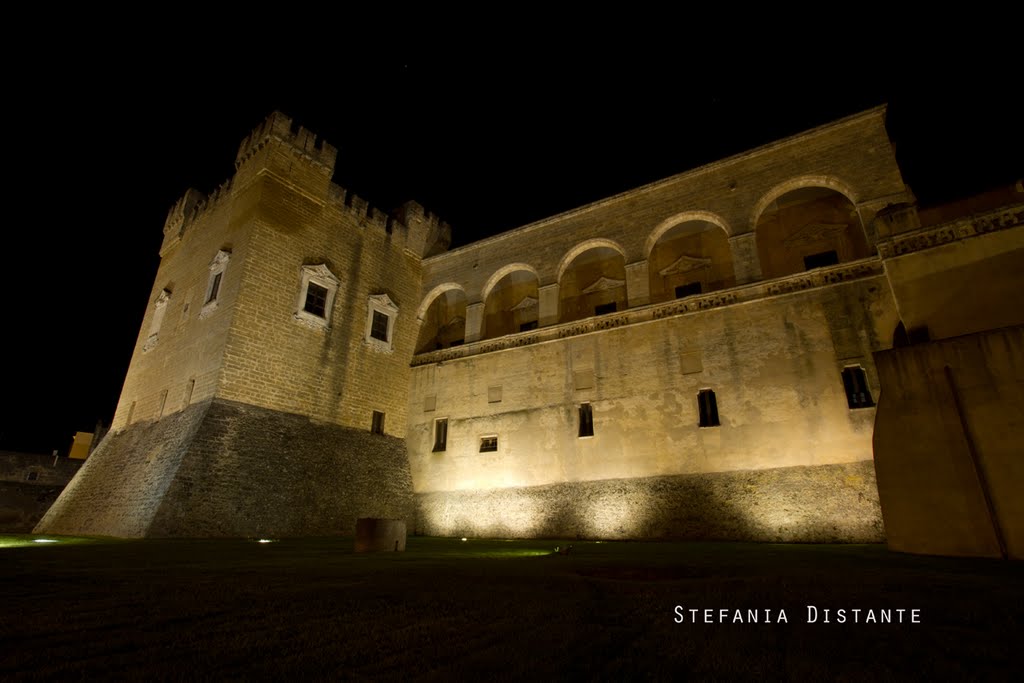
[822, 504]
[775, 365]
[29, 484]
[222, 468]
[947, 445]
[48, 470]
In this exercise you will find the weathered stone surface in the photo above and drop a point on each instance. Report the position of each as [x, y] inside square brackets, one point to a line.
[374, 535]
[822, 504]
[23, 505]
[228, 469]
[948, 445]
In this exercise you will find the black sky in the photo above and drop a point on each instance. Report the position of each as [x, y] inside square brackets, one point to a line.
[490, 133]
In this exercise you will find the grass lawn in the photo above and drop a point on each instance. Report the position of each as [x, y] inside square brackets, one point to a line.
[310, 608]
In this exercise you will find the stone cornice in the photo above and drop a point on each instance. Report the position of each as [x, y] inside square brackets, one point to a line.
[964, 228]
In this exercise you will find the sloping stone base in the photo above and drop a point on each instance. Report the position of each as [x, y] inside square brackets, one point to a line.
[222, 469]
[821, 504]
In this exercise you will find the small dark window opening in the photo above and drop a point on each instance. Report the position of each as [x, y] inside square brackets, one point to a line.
[707, 406]
[855, 381]
[689, 289]
[586, 420]
[488, 444]
[526, 327]
[214, 288]
[32, 476]
[379, 329]
[316, 299]
[440, 435]
[601, 309]
[378, 423]
[457, 342]
[825, 258]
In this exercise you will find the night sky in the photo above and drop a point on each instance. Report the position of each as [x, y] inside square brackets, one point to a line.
[490, 134]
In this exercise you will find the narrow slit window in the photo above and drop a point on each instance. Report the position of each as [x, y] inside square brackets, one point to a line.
[586, 420]
[440, 435]
[377, 426]
[214, 288]
[488, 444]
[707, 407]
[855, 381]
[602, 309]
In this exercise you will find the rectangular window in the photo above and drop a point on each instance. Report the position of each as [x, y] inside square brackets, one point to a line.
[32, 476]
[189, 388]
[440, 435]
[689, 289]
[526, 327]
[855, 381]
[601, 309]
[163, 403]
[377, 427]
[586, 421]
[380, 326]
[316, 300]
[825, 258]
[488, 444]
[214, 288]
[707, 406]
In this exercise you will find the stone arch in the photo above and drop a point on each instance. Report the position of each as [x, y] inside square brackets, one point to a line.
[808, 222]
[689, 254]
[592, 280]
[799, 182]
[586, 245]
[433, 294]
[510, 301]
[684, 217]
[442, 318]
[502, 272]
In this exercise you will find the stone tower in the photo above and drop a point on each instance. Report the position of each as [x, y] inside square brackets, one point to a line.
[268, 389]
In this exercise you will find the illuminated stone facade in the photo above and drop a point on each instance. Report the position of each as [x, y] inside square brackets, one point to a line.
[689, 359]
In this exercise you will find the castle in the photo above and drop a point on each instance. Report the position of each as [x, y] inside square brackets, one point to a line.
[702, 357]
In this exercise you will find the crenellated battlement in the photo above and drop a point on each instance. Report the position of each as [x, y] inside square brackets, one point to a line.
[420, 231]
[184, 212]
[280, 127]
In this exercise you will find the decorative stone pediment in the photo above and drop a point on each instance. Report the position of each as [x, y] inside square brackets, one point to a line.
[220, 260]
[527, 304]
[814, 232]
[457, 320]
[603, 283]
[321, 272]
[383, 303]
[685, 264]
